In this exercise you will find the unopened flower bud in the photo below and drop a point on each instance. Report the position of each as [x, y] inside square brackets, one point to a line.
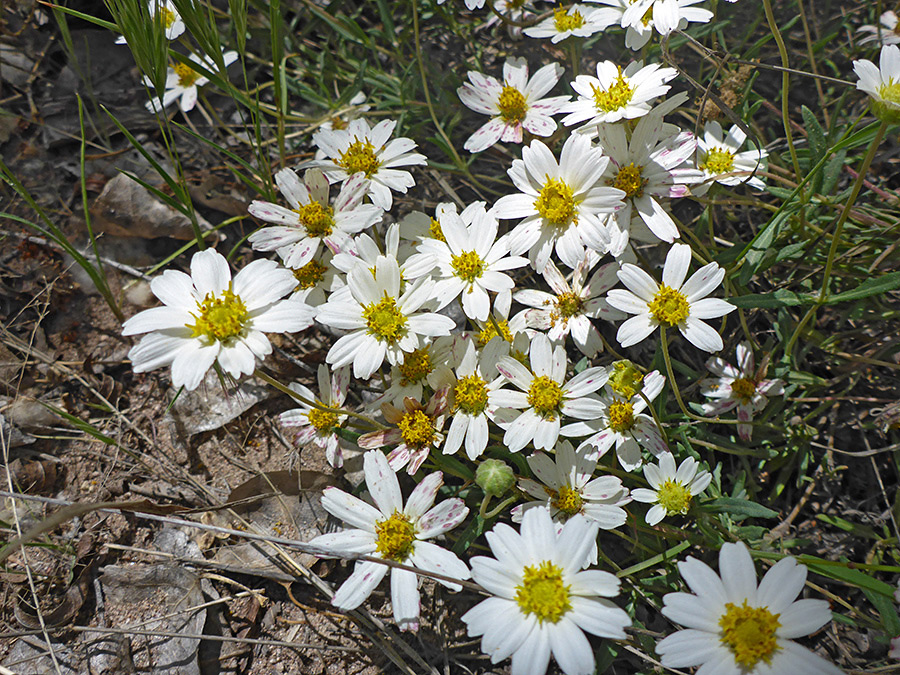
[625, 379]
[495, 477]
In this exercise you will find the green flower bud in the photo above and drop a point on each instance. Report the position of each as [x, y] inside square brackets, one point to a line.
[625, 379]
[495, 477]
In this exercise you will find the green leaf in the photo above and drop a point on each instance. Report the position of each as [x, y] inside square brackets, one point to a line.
[815, 135]
[845, 525]
[841, 572]
[780, 298]
[887, 608]
[868, 288]
[738, 507]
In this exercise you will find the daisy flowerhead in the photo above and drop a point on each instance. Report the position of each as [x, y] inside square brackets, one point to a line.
[315, 278]
[622, 423]
[617, 94]
[383, 323]
[568, 310]
[517, 12]
[167, 15]
[735, 627]
[365, 252]
[312, 219]
[418, 430]
[533, 413]
[573, 21]
[720, 159]
[560, 203]
[369, 150]
[543, 601]
[514, 105]
[568, 487]
[316, 426]
[469, 263]
[355, 107]
[675, 302]
[425, 366]
[671, 489]
[183, 80]
[642, 17]
[208, 317]
[882, 83]
[649, 167]
[741, 387]
[392, 531]
[886, 33]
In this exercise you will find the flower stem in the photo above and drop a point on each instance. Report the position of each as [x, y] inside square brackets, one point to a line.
[665, 347]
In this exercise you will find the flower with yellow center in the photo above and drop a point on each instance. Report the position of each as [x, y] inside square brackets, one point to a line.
[621, 416]
[616, 96]
[736, 626]
[555, 203]
[574, 20]
[720, 158]
[165, 12]
[310, 274]
[220, 317]
[671, 489]
[629, 180]
[394, 532]
[186, 75]
[316, 428]
[564, 21]
[416, 429]
[359, 157]
[542, 600]
[882, 83]
[512, 105]
[184, 79]
[384, 319]
[642, 18]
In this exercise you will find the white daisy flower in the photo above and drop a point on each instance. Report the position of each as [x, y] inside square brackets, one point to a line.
[568, 487]
[383, 322]
[560, 203]
[425, 366]
[370, 150]
[542, 600]
[182, 82]
[514, 331]
[568, 310]
[733, 626]
[740, 387]
[886, 33]
[648, 167]
[575, 20]
[392, 531]
[622, 423]
[355, 107]
[544, 396]
[315, 278]
[168, 15]
[882, 82]
[317, 427]
[365, 252]
[720, 159]
[616, 94]
[675, 302]
[641, 17]
[514, 105]
[311, 218]
[470, 262]
[209, 318]
[671, 489]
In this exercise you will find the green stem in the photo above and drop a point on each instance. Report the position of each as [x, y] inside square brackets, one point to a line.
[665, 347]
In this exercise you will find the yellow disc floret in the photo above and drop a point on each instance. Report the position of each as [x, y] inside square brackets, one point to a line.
[669, 307]
[567, 306]
[543, 593]
[625, 379]
[556, 203]
[318, 219]
[471, 394]
[718, 160]
[467, 266]
[310, 274]
[395, 537]
[167, 17]
[621, 416]
[563, 21]
[567, 500]
[417, 429]
[186, 75]
[890, 91]
[322, 420]
[489, 331]
[435, 230]
[744, 389]
[512, 105]
[630, 180]
[749, 632]
[674, 497]
[220, 318]
[385, 320]
[616, 96]
[545, 396]
[359, 156]
[416, 366]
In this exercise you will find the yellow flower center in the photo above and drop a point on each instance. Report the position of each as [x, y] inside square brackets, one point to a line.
[718, 160]
[322, 420]
[417, 429]
[556, 204]
[563, 21]
[545, 395]
[471, 394]
[316, 218]
[395, 537]
[567, 500]
[359, 156]
[543, 593]
[743, 388]
[616, 96]
[186, 75]
[435, 230]
[567, 306]
[673, 497]
[310, 274]
[630, 180]
[648, 16]
[621, 416]
[489, 332]
[467, 266]
[221, 318]
[385, 320]
[415, 367]
[890, 91]
[669, 307]
[749, 632]
[167, 16]
[625, 379]
[512, 104]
